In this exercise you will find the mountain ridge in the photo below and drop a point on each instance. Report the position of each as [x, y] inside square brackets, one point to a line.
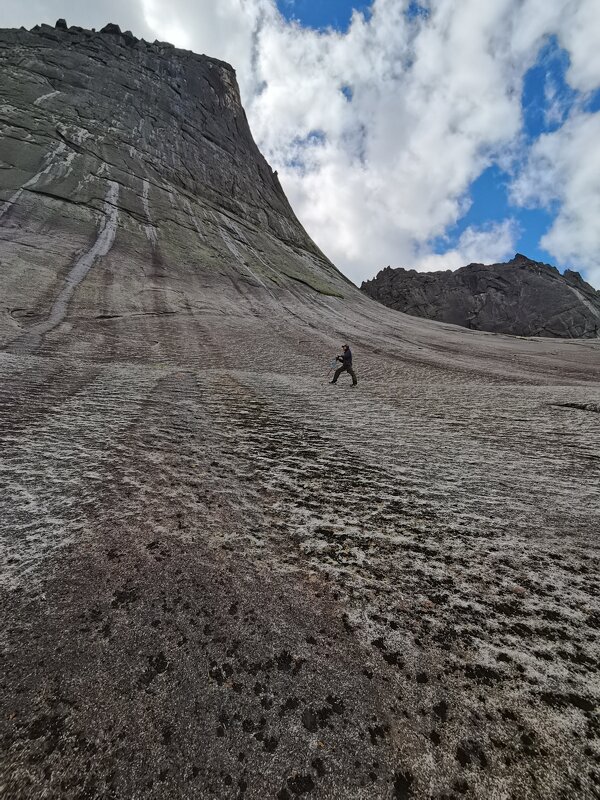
[520, 297]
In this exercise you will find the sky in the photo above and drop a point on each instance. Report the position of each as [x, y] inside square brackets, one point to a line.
[426, 135]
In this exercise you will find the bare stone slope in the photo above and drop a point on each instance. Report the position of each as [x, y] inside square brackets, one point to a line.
[222, 577]
[521, 297]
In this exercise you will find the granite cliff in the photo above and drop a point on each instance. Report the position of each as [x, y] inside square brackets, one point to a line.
[222, 577]
[520, 297]
[115, 148]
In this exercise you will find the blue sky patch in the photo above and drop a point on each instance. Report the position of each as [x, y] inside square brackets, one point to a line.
[416, 9]
[490, 205]
[547, 98]
[302, 146]
[347, 92]
[592, 103]
[322, 15]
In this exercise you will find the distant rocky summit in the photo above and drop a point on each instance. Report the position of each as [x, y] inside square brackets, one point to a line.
[521, 297]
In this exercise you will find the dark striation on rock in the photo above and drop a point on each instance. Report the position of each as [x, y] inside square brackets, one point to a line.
[521, 297]
[221, 577]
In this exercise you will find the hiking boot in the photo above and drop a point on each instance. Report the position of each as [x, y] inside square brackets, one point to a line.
[333, 382]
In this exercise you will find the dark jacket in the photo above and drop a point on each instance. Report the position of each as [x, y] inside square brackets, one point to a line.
[347, 358]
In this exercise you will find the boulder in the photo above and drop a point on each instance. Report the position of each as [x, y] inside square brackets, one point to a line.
[111, 28]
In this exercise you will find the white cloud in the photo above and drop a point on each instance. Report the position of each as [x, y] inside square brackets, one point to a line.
[171, 29]
[434, 101]
[395, 162]
[563, 169]
[227, 29]
[556, 107]
[579, 35]
[489, 245]
[378, 132]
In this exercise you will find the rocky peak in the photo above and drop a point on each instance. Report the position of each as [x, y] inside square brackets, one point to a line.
[521, 296]
[519, 260]
[573, 277]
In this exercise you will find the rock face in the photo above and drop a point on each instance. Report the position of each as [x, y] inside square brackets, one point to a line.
[521, 297]
[222, 577]
[152, 143]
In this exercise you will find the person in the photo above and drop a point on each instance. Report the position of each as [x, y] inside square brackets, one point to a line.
[346, 360]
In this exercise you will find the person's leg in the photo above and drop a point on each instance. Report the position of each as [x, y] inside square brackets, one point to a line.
[337, 374]
[353, 376]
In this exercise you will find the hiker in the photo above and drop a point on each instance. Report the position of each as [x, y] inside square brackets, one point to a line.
[346, 359]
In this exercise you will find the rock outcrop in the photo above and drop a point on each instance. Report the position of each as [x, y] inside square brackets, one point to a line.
[521, 297]
[221, 577]
[152, 143]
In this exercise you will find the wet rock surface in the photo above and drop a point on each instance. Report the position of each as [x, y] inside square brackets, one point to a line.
[521, 297]
[220, 576]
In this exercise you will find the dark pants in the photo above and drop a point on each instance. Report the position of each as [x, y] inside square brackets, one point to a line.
[349, 370]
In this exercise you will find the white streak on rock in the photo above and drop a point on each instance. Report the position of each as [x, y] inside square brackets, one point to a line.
[585, 301]
[74, 133]
[82, 266]
[81, 134]
[150, 229]
[10, 202]
[68, 162]
[51, 158]
[229, 243]
[190, 211]
[45, 97]
[258, 257]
